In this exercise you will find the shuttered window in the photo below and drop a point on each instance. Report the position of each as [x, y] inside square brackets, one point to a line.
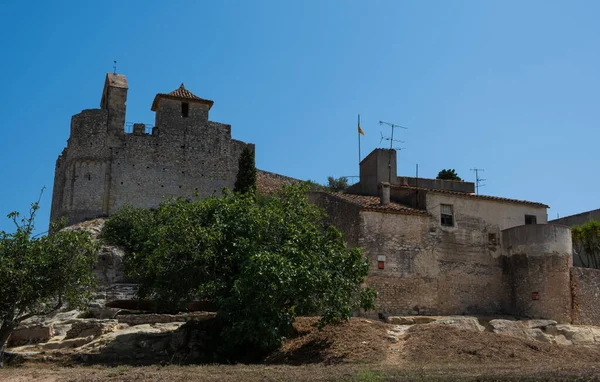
[447, 215]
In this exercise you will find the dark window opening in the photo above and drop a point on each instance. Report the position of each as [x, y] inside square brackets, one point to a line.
[447, 215]
[185, 109]
[530, 219]
[492, 240]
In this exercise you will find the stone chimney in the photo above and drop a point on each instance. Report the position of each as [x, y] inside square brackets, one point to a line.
[385, 193]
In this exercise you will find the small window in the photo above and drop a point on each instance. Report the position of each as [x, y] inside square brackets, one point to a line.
[185, 109]
[530, 219]
[447, 215]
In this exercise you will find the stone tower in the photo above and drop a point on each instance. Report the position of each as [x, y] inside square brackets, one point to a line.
[104, 167]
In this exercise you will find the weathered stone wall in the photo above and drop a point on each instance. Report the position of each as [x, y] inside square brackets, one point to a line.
[341, 214]
[537, 263]
[435, 269]
[408, 282]
[102, 168]
[585, 288]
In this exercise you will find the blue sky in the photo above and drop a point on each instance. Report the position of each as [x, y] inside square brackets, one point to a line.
[508, 86]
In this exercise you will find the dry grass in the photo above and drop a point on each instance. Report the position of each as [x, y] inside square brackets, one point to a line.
[360, 351]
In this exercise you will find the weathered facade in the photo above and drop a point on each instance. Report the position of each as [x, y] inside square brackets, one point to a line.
[437, 248]
[103, 167]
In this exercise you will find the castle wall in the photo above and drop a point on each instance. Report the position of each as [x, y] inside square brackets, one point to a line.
[408, 282]
[537, 262]
[103, 168]
[197, 161]
[585, 288]
[341, 214]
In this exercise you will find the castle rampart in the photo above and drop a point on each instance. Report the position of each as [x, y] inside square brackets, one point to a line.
[103, 168]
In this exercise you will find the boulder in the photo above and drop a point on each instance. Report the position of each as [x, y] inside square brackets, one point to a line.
[30, 334]
[460, 322]
[399, 320]
[542, 324]
[578, 335]
[94, 328]
[67, 344]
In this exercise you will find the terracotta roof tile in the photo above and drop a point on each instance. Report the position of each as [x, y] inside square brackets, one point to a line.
[471, 196]
[372, 203]
[268, 183]
[180, 94]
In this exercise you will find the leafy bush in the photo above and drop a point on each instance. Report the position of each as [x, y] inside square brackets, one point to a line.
[260, 263]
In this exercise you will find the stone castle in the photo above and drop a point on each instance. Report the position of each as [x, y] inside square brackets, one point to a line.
[103, 167]
[435, 246]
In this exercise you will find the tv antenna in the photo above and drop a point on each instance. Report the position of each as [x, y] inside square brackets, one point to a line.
[392, 140]
[115, 67]
[478, 180]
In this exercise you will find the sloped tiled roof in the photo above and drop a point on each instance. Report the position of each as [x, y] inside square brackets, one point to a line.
[180, 93]
[471, 196]
[268, 183]
[373, 203]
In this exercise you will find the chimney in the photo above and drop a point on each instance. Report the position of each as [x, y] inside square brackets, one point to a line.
[385, 193]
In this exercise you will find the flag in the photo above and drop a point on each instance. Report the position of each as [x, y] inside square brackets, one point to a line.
[360, 130]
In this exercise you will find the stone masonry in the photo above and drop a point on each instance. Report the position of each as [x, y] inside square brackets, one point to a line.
[103, 167]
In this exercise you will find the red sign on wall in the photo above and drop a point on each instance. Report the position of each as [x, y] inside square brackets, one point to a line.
[535, 296]
[381, 264]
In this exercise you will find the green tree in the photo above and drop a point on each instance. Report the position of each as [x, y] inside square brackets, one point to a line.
[337, 184]
[246, 177]
[38, 275]
[448, 174]
[261, 264]
[586, 243]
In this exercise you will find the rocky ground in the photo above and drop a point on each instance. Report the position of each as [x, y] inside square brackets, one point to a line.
[417, 348]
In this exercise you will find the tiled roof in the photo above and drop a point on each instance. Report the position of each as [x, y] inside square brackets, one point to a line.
[268, 183]
[180, 94]
[471, 196]
[373, 203]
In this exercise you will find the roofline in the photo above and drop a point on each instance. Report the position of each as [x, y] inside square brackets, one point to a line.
[408, 211]
[470, 195]
[154, 107]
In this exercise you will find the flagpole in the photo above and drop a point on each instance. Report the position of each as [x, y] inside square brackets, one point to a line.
[358, 132]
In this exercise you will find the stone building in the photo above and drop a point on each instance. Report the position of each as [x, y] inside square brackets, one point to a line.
[579, 259]
[104, 167]
[435, 247]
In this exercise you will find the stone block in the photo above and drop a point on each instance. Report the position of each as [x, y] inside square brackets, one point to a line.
[32, 334]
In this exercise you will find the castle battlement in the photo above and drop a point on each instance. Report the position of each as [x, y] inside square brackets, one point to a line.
[103, 168]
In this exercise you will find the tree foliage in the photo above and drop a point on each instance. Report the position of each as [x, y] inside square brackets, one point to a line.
[586, 243]
[261, 264]
[448, 174]
[38, 275]
[246, 177]
[337, 184]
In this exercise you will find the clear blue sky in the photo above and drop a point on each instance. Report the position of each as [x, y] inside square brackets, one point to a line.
[509, 86]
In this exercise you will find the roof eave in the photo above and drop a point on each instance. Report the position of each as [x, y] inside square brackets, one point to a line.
[154, 107]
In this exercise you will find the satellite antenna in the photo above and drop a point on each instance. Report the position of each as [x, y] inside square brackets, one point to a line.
[478, 180]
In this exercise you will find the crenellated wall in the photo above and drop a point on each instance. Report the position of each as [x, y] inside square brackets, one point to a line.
[103, 168]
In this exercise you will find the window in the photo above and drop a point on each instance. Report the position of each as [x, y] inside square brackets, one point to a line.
[447, 215]
[185, 109]
[530, 219]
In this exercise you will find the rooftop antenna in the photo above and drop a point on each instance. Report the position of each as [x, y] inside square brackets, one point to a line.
[392, 140]
[115, 67]
[478, 180]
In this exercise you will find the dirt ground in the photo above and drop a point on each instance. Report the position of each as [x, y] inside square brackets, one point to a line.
[361, 350]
